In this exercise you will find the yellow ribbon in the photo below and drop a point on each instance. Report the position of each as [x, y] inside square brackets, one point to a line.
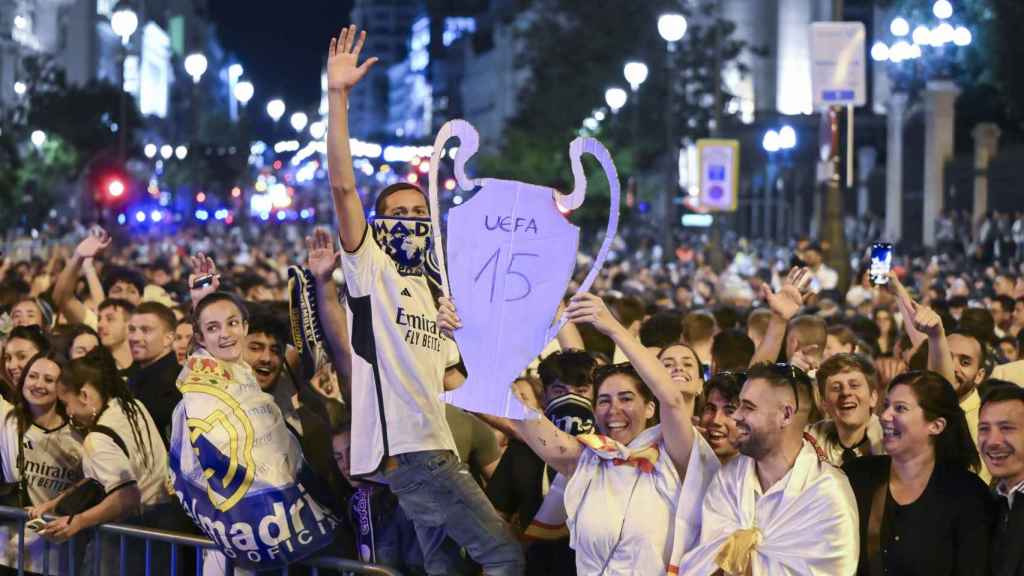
[734, 556]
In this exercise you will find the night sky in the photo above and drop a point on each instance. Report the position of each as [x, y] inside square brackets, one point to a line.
[281, 43]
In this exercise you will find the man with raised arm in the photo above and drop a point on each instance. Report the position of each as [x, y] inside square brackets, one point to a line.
[399, 354]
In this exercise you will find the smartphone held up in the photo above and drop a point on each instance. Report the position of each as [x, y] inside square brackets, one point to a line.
[881, 263]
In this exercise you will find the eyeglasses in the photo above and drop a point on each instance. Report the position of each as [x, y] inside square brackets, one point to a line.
[795, 376]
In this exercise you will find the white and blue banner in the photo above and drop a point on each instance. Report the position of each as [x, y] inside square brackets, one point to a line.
[239, 472]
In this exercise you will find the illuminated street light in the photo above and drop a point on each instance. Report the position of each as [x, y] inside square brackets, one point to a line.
[124, 21]
[615, 98]
[275, 109]
[299, 121]
[672, 27]
[244, 91]
[195, 65]
[635, 73]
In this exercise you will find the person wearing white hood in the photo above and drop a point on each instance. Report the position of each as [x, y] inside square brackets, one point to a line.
[634, 491]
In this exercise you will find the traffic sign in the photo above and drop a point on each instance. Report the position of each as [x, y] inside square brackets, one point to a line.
[719, 162]
[838, 64]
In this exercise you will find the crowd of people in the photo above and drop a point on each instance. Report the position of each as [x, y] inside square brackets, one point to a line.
[758, 420]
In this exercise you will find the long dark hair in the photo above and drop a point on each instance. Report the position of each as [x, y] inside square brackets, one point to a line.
[22, 411]
[99, 369]
[938, 399]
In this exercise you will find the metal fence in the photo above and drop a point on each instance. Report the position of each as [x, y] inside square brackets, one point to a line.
[131, 535]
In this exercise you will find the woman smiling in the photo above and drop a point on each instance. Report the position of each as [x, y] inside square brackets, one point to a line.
[922, 509]
[39, 452]
[634, 490]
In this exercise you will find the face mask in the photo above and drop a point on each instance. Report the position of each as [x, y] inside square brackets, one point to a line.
[409, 244]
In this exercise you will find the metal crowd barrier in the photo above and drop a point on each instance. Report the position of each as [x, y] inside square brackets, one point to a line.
[177, 541]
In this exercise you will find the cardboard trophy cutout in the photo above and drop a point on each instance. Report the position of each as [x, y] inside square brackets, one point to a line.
[511, 255]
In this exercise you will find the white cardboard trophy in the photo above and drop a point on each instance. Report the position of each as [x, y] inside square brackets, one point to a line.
[511, 255]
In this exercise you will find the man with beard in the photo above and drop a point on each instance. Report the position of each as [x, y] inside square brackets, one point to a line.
[1001, 435]
[847, 384]
[776, 509]
[264, 353]
[150, 337]
[721, 398]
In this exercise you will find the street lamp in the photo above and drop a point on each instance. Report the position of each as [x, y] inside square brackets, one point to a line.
[615, 98]
[635, 73]
[937, 39]
[299, 121]
[195, 65]
[774, 141]
[123, 21]
[275, 109]
[20, 88]
[671, 28]
[38, 138]
[243, 92]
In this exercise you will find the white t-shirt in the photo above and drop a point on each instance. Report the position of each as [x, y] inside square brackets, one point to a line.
[106, 463]
[398, 360]
[53, 463]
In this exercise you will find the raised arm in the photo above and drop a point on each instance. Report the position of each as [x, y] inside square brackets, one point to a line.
[785, 304]
[906, 304]
[205, 270]
[323, 260]
[676, 405]
[343, 73]
[96, 294]
[556, 448]
[64, 289]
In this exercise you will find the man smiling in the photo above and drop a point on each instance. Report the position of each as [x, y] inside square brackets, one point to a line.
[847, 384]
[1001, 437]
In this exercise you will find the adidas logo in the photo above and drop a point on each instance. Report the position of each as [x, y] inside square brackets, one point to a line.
[405, 292]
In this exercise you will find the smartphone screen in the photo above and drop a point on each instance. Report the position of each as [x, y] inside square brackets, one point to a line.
[881, 263]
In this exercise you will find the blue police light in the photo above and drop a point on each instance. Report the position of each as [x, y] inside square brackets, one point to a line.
[281, 216]
[121, 219]
[202, 215]
[140, 216]
[156, 215]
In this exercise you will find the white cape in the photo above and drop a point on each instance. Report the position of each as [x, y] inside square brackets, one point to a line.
[663, 516]
[808, 520]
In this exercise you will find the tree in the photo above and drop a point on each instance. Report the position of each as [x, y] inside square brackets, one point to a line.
[82, 116]
[575, 50]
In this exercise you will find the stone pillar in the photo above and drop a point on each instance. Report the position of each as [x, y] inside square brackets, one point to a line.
[986, 146]
[894, 167]
[938, 149]
[866, 157]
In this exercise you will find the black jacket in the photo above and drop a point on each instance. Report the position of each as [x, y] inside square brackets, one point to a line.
[1008, 538]
[156, 387]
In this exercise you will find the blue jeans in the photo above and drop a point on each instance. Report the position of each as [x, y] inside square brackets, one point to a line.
[439, 495]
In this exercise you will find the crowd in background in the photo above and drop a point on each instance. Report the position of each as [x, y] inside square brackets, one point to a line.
[118, 318]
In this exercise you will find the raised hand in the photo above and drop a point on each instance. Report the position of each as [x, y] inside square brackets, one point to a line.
[447, 318]
[95, 242]
[927, 320]
[325, 381]
[586, 308]
[323, 258]
[202, 265]
[343, 69]
[788, 301]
